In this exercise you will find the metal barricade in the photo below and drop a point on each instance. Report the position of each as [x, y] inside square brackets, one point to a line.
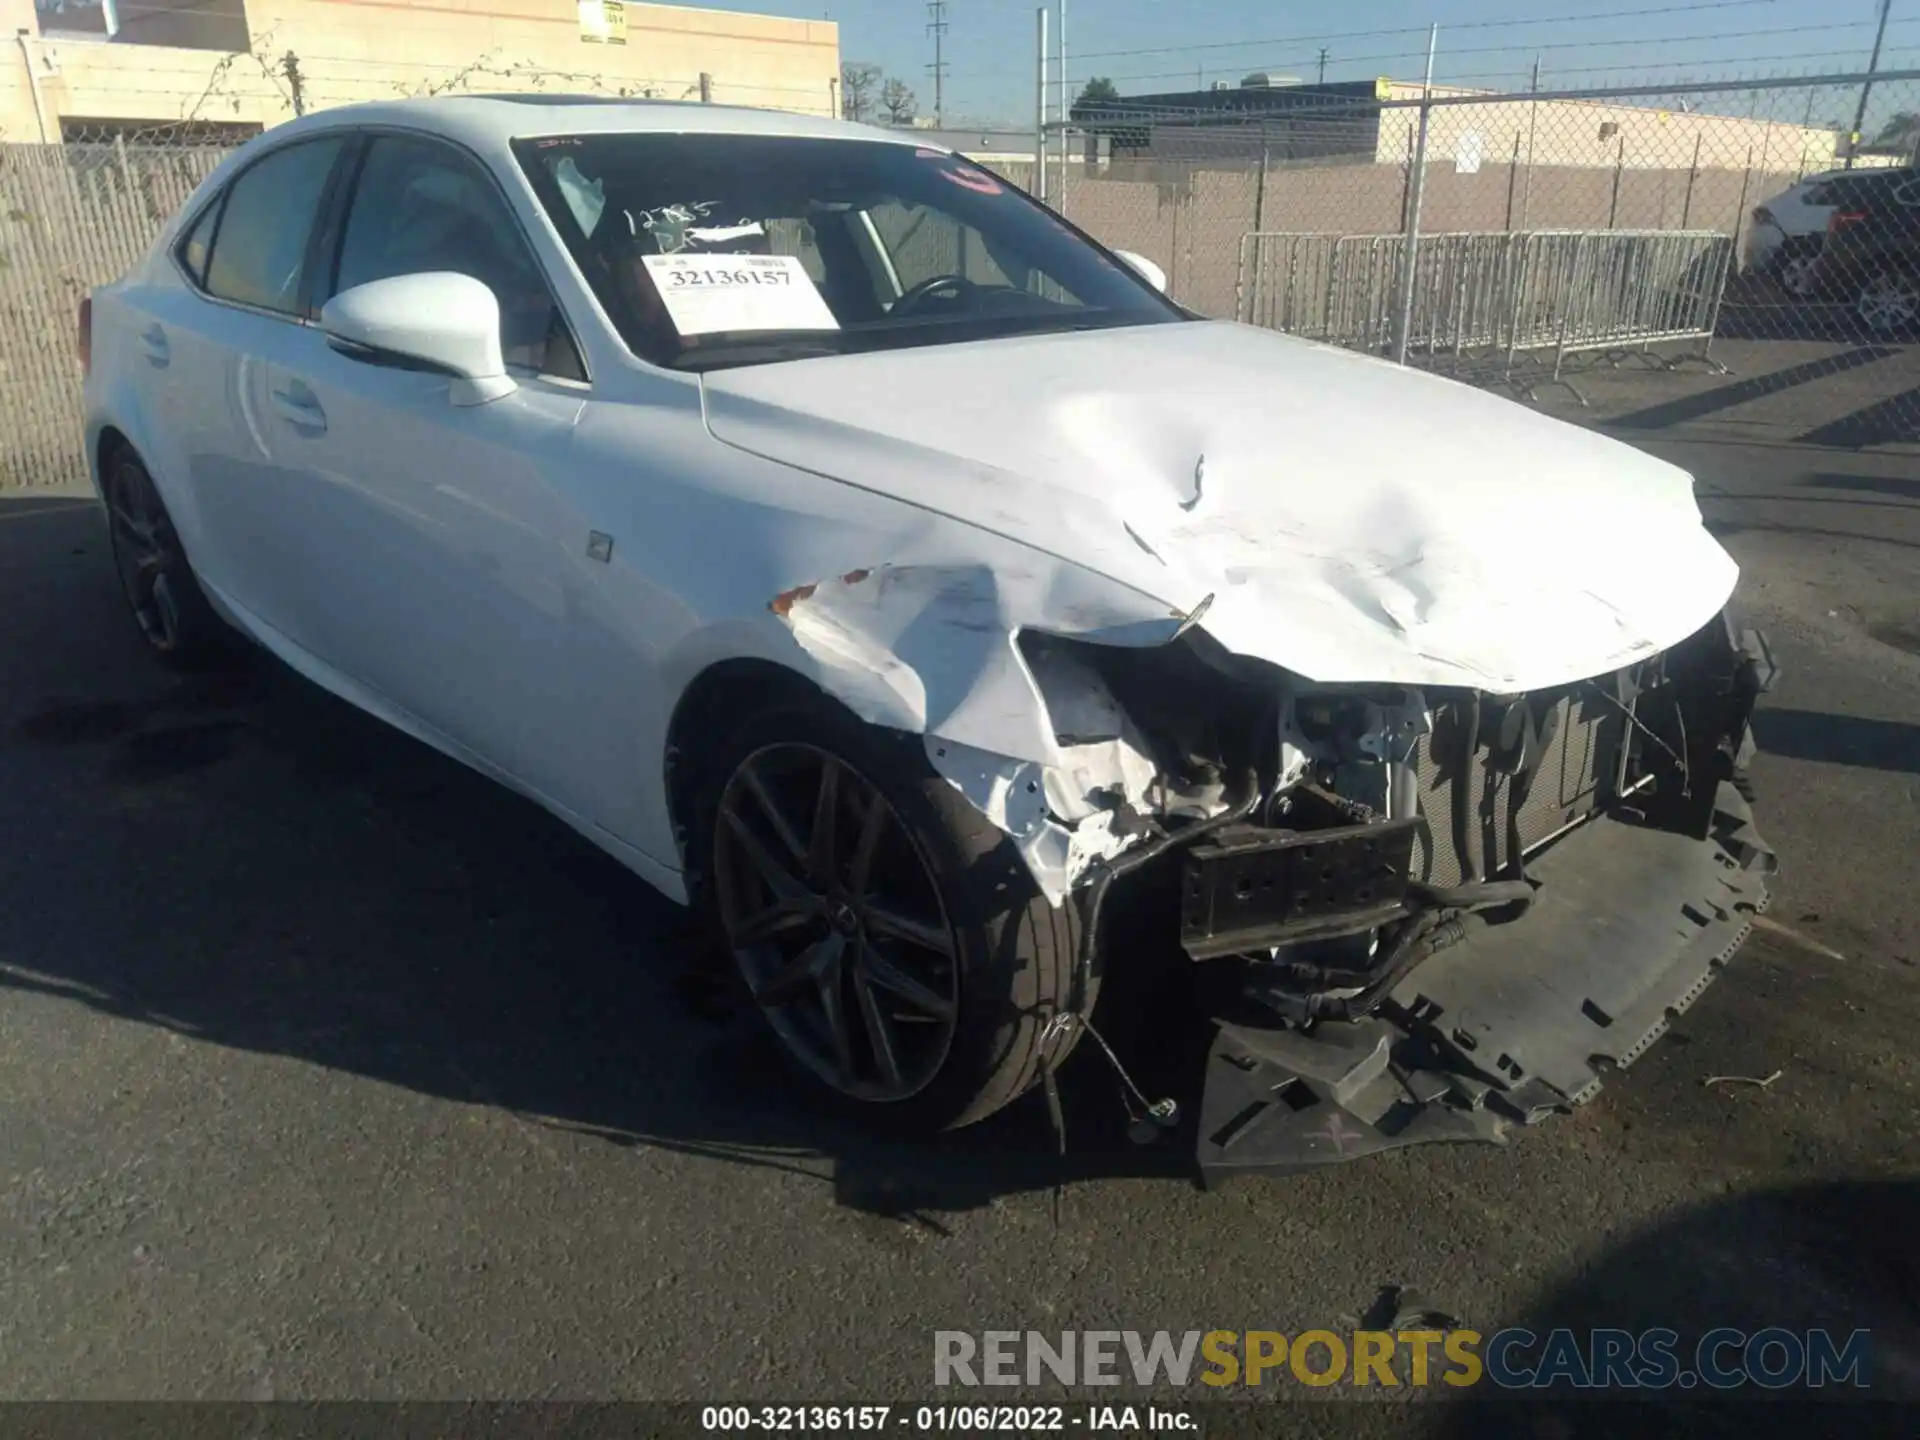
[1462, 291]
[1546, 273]
[1489, 292]
[1334, 288]
[1631, 289]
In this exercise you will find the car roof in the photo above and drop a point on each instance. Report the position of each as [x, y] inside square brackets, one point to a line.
[1862, 186]
[489, 123]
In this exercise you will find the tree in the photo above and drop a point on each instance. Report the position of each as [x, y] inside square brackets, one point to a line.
[1100, 91]
[857, 84]
[1900, 131]
[899, 101]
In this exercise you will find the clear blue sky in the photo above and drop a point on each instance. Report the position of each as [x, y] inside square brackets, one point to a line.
[990, 43]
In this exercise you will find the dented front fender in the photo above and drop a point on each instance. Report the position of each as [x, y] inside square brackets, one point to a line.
[934, 650]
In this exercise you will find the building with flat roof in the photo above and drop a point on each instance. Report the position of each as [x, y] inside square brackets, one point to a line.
[221, 69]
[1347, 123]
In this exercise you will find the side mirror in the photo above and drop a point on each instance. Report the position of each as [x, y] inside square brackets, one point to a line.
[1144, 268]
[436, 320]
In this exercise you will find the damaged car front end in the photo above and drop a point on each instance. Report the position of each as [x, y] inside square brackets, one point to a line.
[1451, 912]
[1461, 809]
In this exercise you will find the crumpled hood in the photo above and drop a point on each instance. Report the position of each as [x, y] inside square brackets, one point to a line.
[1352, 521]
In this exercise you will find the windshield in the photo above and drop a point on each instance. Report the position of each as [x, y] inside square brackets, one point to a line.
[713, 250]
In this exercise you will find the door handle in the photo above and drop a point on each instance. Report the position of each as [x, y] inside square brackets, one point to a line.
[298, 405]
[153, 340]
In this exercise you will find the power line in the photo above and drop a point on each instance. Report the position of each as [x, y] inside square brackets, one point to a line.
[1759, 82]
[1421, 29]
[1724, 36]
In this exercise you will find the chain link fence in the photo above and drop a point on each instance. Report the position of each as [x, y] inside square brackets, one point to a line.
[73, 216]
[1572, 238]
[1600, 243]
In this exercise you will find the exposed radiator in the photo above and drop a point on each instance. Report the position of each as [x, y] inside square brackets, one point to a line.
[1577, 769]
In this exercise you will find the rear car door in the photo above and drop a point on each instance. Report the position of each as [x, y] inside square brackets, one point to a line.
[244, 259]
[436, 542]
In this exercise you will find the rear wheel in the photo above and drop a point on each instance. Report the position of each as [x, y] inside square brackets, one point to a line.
[1889, 303]
[888, 932]
[1795, 268]
[165, 597]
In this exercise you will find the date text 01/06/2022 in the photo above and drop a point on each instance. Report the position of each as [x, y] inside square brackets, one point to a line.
[967, 1419]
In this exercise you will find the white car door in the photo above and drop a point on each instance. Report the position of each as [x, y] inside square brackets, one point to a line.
[201, 344]
[437, 552]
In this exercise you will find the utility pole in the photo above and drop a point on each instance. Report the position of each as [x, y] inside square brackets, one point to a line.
[937, 27]
[1410, 246]
[1060, 63]
[1533, 121]
[1040, 110]
[1866, 87]
[296, 82]
[1323, 64]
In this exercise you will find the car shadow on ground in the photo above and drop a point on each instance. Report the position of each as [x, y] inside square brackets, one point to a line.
[1894, 420]
[242, 859]
[1839, 1256]
[1668, 414]
[1890, 745]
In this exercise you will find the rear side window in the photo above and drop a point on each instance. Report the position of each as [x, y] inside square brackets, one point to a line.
[269, 215]
[1818, 195]
[198, 241]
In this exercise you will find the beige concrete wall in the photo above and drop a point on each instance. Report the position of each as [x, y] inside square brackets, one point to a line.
[17, 122]
[369, 49]
[353, 50]
[1602, 135]
[1191, 222]
[93, 80]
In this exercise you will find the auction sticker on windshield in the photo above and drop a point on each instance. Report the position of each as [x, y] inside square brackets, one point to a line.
[706, 294]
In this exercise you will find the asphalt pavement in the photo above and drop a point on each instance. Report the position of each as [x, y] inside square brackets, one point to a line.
[329, 1070]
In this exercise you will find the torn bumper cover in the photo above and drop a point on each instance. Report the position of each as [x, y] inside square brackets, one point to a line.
[1514, 1023]
[1634, 903]
[1547, 881]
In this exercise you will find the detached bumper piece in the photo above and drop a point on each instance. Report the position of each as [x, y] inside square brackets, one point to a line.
[1515, 1023]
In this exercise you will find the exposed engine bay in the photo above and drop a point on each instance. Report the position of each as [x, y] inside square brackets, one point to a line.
[1454, 911]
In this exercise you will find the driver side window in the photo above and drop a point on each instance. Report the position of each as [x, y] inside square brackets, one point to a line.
[419, 205]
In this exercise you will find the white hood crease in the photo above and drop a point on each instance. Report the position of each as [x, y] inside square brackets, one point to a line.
[1342, 518]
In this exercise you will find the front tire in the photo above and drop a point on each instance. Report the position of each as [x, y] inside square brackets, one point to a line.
[175, 620]
[888, 932]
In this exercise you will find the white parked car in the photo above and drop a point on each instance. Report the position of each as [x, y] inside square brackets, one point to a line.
[858, 551]
[1788, 231]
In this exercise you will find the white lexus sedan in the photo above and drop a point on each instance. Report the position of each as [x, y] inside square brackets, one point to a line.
[863, 554]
